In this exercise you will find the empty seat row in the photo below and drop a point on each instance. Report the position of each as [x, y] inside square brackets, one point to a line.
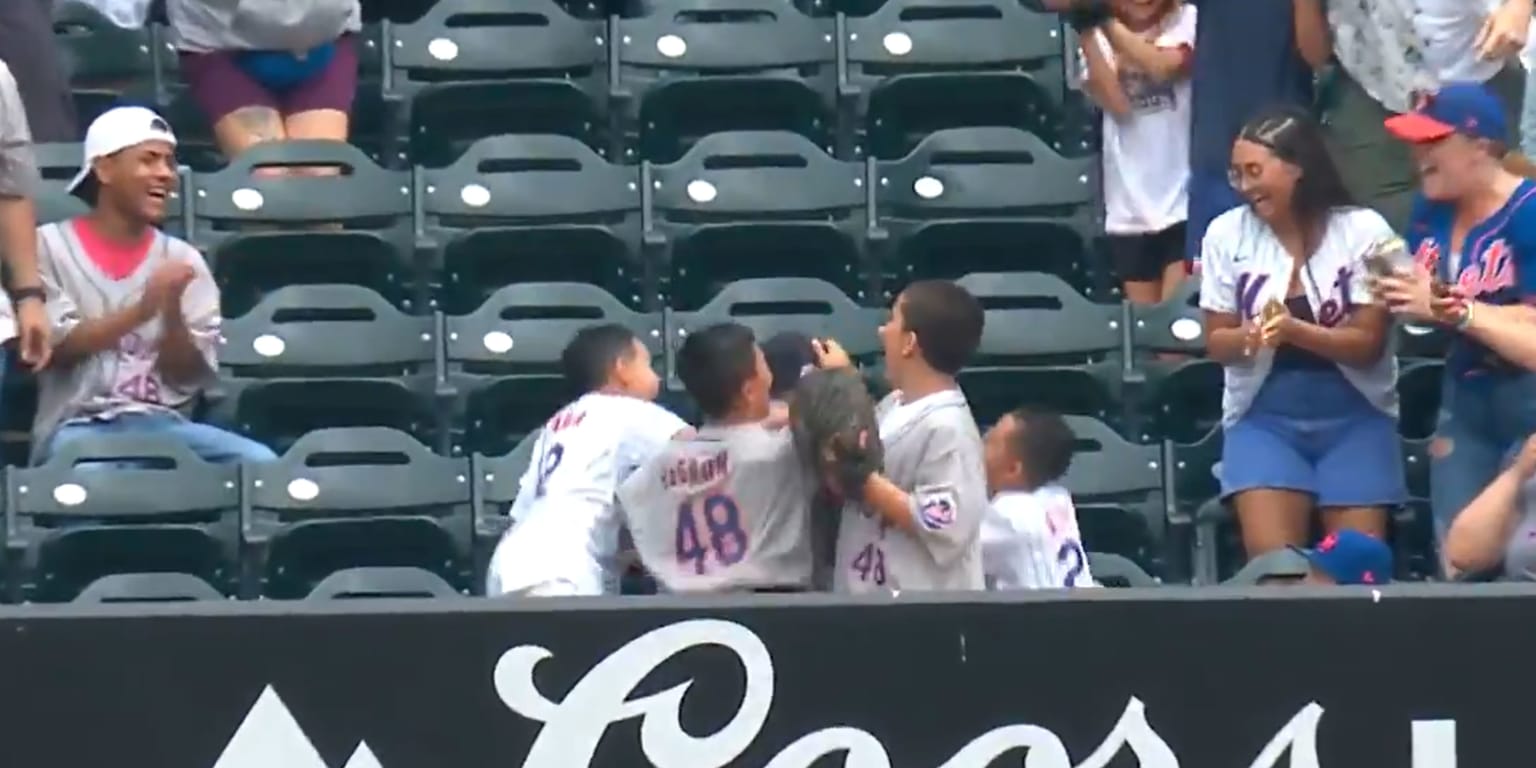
[547, 208]
[649, 86]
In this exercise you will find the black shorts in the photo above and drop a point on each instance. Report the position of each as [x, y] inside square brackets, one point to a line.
[1142, 258]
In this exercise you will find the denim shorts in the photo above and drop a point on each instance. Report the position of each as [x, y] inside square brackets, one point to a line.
[1482, 421]
[1312, 431]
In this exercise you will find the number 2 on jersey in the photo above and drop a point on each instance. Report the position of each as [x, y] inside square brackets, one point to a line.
[548, 463]
[1071, 555]
[721, 538]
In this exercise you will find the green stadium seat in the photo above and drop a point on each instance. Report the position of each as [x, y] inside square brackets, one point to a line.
[1111, 570]
[918, 66]
[754, 204]
[986, 200]
[503, 377]
[1418, 391]
[497, 481]
[148, 588]
[1281, 564]
[314, 356]
[106, 62]
[1044, 345]
[1174, 393]
[770, 306]
[694, 67]
[1414, 555]
[523, 208]
[382, 582]
[161, 509]
[1193, 489]
[1117, 487]
[474, 68]
[263, 232]
[350, 498]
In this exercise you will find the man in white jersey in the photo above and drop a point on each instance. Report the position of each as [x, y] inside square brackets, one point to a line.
[729, 507]
[135, 312]
[917, 525]
[22, 317]
[564, 538]
[1029, 537]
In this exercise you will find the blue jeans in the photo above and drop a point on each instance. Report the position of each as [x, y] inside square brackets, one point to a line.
[213, 444]
[1482, 421]
[1528, 116]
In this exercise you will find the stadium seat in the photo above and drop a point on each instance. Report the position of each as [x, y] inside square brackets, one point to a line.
[919, 66]
[313, 356]
[1117, 487]
[1414, 557]
[148, 588]
[1111, 570]
[694, 67]
[986, 200]
[106, 62]
[354, 497]
[158, 508]
[754, 204]
[1045, 345]
[1418, 390]
[532, 208]
[770, 306]
[1193, 489]
[497, 481]
[503, 377]
[1280, 564]
[474, 68]
[1173, 392]
[1416, 466]
[382, 582]
[264, 231]
[1422, 342]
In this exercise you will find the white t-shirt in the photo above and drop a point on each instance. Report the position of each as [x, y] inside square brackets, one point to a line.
[1244, 266]
[1146, 153]
[565, 527]
[1448, 29]
[1030, 540]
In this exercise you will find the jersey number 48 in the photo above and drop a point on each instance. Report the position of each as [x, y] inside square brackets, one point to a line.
[710, 530]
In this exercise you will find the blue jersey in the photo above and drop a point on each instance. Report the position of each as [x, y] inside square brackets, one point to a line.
[1496, 264]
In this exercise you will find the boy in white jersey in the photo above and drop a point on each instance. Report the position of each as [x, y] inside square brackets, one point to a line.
[729, 507]
[917, 525]
[1029, 537]
[135, 312]
[565, 532]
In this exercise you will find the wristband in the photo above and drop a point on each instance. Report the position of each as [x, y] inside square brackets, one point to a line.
[25, 292]
[1466, 319]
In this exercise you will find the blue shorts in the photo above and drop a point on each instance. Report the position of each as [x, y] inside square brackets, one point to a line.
[1210, 195]
[1312, 431]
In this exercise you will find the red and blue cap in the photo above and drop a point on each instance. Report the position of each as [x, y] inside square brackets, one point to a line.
[1469, 109]
[1351, 557]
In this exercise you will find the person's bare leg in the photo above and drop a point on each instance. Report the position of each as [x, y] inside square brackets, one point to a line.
[1174, 276]
[246, 127]
[1142, 291]
[331, 124]
[1371, 520]
[1271, 518]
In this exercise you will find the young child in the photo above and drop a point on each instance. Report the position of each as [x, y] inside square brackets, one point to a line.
[917, 525]
[1137, 65]
[1029, 537]
[564, 538]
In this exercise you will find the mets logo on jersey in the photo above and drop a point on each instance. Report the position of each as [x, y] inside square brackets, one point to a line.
[936, 508]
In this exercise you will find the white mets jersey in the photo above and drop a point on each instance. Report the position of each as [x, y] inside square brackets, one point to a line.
[1030, 540]
[565, 527]
[726, 509]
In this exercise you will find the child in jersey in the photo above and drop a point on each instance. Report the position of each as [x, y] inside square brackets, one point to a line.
[1029, 538]
[917, 525]
[565, 534]
[727, 508]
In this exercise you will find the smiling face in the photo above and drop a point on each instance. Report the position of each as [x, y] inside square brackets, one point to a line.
[1265, 181]
[1141, 14]
[138, 181]
[1448, 168]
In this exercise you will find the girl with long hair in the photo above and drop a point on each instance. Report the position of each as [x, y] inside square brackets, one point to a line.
[1309, 406]
[1473, 236]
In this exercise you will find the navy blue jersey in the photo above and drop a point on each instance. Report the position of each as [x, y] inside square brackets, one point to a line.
[1495, 264]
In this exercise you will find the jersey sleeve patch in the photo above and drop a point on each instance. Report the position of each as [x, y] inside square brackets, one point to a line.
[936, 507]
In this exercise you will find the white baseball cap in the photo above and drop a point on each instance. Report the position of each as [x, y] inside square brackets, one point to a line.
[116, 130]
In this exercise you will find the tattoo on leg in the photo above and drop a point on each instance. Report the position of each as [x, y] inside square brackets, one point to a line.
[262, 123]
